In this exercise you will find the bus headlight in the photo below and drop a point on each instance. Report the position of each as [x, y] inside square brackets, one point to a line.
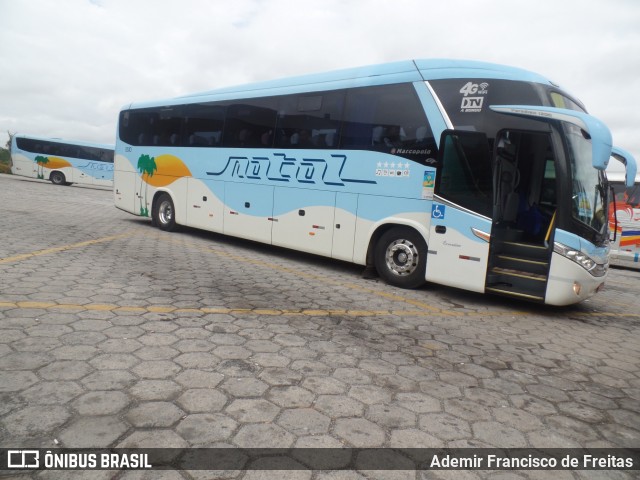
[585, 261]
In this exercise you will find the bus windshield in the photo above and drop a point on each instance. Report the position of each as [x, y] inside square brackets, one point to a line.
[588, 186]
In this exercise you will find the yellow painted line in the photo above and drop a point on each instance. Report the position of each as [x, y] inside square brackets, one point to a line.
[308, 312]
[63, 248]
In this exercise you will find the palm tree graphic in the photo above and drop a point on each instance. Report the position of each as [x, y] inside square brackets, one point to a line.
[41, 161]
[146, 166]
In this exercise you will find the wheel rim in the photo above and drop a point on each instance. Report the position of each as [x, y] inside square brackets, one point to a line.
[402, 257]
[165, 212]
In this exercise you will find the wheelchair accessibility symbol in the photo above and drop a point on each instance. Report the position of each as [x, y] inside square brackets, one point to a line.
[437, 211]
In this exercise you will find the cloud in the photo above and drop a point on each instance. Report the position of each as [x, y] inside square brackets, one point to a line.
[71, 65]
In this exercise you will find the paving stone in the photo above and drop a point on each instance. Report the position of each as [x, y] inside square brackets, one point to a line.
[467, 409]
[51, 393]
[418, 402]
[339, 406]
[199, 379]
[498, 434]
[197, 400]
[370, 394]
[25, 361]
[156, 369]
[280, 376]
[65, 370]
[324, 385]
[35, 420]
[92, 432]
[205, 429]
[14, 381]
[259, 435]
[359, 432]
[113, 361]
[444, 426]
[108, 380]
[75, 352]
[391, 416]
[304, 421]
[152, 439]
[244, 387]
[290, 396]
[101, 403]
[154, 414]
[252, 410]
[155, 390]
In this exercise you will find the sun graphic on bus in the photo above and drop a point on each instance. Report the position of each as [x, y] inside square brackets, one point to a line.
[52, 163]
[159, 171]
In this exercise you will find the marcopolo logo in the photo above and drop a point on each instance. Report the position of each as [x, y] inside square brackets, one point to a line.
[23, 459]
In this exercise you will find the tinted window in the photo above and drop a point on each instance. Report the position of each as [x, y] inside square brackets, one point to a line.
[251, 123]
[562, 101]
[309, 120]
[137, 126]
[387, 118]
[465, 176]
[203, 125]
[61, 149]
[627, 195]
[166, 127]
[467, 102]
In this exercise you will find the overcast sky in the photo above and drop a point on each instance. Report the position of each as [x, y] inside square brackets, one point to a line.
[68, 66]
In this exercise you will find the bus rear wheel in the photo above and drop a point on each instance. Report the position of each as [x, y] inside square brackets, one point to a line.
[57, 178]
[401, 257]
[164, 213]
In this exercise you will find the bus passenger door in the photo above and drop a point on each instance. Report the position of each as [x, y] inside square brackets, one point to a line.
[248, 211]
[458, 247]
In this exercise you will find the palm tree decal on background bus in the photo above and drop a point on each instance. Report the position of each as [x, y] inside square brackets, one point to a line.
[146, 166]
[41, 161]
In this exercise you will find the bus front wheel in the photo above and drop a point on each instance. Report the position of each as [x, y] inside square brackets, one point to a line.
[57, 178]
[401, 257]
[164, 213]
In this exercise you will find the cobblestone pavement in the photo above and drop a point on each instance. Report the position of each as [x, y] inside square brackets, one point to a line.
[113, 333]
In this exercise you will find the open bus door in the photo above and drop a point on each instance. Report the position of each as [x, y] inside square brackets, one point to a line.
[460, 212]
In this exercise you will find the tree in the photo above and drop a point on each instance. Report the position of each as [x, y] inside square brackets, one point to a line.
[11, 135]
[147, 167]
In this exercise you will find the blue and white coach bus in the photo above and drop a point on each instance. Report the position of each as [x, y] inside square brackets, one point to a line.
[62, 162]
[478, 176]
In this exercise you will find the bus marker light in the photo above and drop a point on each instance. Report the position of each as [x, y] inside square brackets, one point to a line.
[577, 287]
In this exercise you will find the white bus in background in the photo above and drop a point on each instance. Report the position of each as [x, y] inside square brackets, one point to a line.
[62, 162]
[624, 220]
[468, 174]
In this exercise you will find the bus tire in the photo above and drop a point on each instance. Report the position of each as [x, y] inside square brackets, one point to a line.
[57, 178]
[400, 257]
[163, 214]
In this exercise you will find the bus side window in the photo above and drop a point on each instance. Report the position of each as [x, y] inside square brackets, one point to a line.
[203, 124]
[248, 121]
[309, 120]
[465, 177]
[390, 119]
